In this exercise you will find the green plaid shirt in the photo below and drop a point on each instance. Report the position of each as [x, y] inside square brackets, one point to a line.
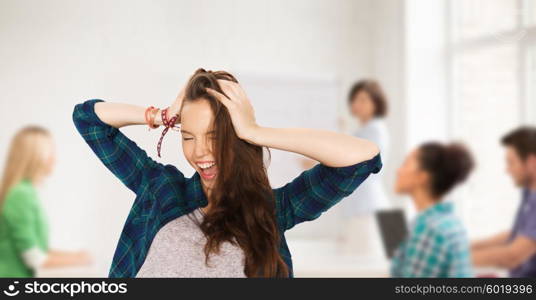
[437, 246]
[164, 194]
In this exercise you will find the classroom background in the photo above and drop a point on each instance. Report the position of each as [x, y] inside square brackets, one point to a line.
[452, 70]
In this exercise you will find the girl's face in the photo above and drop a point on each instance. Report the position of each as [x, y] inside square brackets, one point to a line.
[409, 175]
[362, 106]
[197, 138]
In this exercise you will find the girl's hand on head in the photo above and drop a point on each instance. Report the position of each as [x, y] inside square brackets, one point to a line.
[175, 107]
[239, 107]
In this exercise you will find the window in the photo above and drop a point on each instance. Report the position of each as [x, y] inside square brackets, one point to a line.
[478, 18]
[529, 12]
[493, 78]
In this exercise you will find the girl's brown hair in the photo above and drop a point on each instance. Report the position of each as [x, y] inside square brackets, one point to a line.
[242, 202]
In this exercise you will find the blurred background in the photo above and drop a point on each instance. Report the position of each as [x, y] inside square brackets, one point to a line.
[452, 70]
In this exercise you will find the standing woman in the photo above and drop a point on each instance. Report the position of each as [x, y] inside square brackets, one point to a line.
[437, 245]
[226, 220]
[23, 225]
[368, 104]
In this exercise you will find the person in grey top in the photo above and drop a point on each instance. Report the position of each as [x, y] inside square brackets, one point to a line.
[515, 250]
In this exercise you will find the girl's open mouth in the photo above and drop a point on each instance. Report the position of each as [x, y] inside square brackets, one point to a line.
[207, 170]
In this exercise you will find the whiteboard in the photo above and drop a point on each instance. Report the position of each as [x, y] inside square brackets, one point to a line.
[291, 101]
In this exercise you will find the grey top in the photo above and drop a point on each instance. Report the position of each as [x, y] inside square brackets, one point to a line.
[178, 251]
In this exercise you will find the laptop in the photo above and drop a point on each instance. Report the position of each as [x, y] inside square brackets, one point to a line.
[393, 229]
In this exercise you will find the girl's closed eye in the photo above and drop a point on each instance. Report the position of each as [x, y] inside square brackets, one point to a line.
[187, 138]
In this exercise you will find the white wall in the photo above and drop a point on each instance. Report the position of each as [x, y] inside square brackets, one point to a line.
[388, 66]
[427, 92]
[56, 53]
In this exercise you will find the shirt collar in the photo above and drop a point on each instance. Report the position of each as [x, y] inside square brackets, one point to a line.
[529, 195]
[197, 192]
[26, 181]
[371, 122]
[443, 207]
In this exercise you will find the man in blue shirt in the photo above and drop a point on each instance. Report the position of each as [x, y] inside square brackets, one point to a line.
[516, 249]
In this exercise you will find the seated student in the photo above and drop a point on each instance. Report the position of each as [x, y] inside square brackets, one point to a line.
[24, 246]
[437, 244]
[516, 249]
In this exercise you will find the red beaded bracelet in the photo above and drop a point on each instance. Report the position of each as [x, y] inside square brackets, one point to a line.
[168, 124]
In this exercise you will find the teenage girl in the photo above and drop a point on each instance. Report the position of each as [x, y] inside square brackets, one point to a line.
[226, 220]
[368, 104]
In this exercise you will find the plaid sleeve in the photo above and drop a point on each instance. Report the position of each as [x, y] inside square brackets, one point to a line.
[119, 154]
[316, 190]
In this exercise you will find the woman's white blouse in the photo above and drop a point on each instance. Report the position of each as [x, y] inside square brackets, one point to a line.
[370, 196]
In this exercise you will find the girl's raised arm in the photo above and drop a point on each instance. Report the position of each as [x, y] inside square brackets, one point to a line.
[345, 161]
[120, 114]
[329, 148]
[98, 122]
